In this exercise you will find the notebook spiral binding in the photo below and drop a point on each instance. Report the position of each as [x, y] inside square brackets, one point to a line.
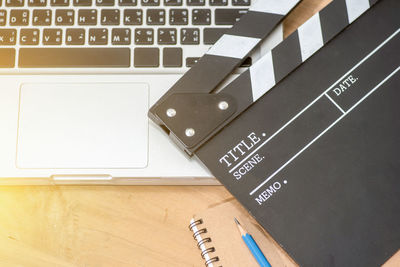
[193, 226]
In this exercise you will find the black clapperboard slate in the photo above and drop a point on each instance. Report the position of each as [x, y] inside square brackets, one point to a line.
[316, 159]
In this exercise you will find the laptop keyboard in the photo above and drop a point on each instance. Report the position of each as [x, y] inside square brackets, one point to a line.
[132, 34]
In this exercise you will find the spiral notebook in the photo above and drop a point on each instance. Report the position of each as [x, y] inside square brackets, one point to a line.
[220, 243]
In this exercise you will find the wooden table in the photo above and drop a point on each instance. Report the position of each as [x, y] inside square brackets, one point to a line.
[110, 225]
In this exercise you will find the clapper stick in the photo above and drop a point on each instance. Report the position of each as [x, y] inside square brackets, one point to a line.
[198, 116]
[231, 49]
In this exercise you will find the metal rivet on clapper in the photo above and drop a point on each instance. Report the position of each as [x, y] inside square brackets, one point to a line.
[189, 132]
[223, 105]
[171, 112]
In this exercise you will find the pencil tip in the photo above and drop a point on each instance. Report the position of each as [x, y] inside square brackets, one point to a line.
[239, 226]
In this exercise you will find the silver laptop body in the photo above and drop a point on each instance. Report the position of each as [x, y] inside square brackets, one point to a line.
[78, 76]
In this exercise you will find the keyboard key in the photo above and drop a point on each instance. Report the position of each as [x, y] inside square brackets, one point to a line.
[75, 37]
[211, 35]
[241, 2]
[196, 2]
[41, 17]
[178, 16]
[218, 2]
[133, 17]
[144, 36]
[190, 61]
[37, 3]
[173, 2]
[19, 17]
[29, 37]
[105, 2]
[146, 57]
[150, 2]
[127, 2]
[190, 36]
[7, 57]
[82, 2]
[172, 57]
[14, 3]
[98, 36]
[121, 36]
[110, 17]
[228, 16]
[201, 16]
[59, 2]
[87, 17]
[3, 17]
[8, 36]
[155, 17]
[74, 58]
[52, 36]
[65, 17]
[167, 36]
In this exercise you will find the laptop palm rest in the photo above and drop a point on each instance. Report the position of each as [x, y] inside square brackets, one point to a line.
[85, 125]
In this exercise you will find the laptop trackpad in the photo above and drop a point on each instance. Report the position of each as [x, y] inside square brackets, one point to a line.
[90, 125]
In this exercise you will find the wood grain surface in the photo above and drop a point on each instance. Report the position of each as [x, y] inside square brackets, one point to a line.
[110, 225]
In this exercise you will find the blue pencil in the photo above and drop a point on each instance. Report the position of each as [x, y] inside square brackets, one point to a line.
[253, 247]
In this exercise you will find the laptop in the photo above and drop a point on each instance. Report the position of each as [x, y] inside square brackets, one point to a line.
[78, 77]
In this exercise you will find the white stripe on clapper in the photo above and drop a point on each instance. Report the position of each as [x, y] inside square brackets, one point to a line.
[355, 8]
[262, 76]
[310, 37]
[233, 46]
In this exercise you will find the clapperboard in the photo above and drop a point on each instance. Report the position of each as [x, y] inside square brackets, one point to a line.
[308, 137]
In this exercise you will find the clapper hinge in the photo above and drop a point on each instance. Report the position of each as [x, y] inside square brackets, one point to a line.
[192, 119]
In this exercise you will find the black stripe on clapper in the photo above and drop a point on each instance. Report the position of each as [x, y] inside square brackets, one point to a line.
[286, 56]
[333, 12]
